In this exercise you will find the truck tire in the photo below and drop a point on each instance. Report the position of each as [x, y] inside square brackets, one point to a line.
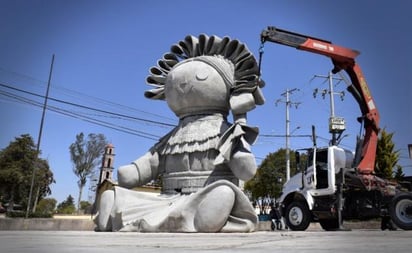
[297, 216]
[400, 210]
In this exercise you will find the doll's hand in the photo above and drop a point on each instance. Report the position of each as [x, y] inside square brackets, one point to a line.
[243, 165]
[128, 176]
[140, 171]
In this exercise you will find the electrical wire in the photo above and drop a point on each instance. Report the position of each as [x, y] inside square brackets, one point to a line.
[72, 114]
[77, 94]
[89, 108]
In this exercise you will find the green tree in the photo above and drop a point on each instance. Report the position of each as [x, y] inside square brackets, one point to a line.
[85, 206]
[17, 161]
[270, 175]
[386, 156]
[67, 206]
[399, 175]
[47, 205]
[43, 179]
[85, 155]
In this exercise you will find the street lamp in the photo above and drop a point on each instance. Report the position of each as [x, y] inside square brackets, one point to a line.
[410, 150]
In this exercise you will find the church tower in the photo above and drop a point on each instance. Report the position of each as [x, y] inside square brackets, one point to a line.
[105, 181]
[106, 171]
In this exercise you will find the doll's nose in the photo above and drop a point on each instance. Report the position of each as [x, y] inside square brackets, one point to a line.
[184, 87]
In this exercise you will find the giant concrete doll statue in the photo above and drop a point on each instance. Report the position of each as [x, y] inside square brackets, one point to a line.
[203, 159]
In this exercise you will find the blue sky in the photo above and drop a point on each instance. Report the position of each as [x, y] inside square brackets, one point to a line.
[104, 49]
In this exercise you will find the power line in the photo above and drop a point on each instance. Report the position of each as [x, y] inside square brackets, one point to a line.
[89, 108]
[82, 117]
[283, 135]
[113, 104]
[78, 94]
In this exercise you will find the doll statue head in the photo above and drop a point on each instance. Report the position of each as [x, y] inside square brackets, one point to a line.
[199, 85]
[207, 75]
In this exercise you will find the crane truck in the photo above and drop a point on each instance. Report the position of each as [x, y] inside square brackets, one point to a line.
[337, 184]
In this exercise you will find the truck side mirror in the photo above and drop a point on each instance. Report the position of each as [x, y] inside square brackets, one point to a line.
[314, 135]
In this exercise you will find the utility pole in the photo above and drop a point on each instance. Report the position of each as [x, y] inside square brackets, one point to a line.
[39, 138]
[336, 124]
[288, 104]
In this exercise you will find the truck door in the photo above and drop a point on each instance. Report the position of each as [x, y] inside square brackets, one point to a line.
[319, 175]
[309, 174]
[321, 167]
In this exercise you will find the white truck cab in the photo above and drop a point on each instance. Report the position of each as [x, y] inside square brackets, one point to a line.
[317, 180]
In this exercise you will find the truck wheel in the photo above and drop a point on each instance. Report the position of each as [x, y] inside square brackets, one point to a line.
[400, 211]
[329, 224]
[297, 216]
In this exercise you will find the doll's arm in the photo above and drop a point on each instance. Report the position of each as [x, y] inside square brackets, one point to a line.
[234, 149]
[140, 171]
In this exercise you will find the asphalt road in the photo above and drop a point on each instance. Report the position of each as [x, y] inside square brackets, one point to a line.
[263, 241]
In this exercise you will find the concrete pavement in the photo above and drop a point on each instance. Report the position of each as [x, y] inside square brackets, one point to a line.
[375, 241]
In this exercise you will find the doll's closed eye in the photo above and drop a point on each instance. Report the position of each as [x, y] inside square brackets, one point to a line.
[202, 75]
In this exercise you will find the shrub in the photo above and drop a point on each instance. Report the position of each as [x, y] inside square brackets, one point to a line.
[20, 214]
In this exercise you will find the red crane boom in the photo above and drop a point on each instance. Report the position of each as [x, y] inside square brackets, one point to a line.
[342, 59]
